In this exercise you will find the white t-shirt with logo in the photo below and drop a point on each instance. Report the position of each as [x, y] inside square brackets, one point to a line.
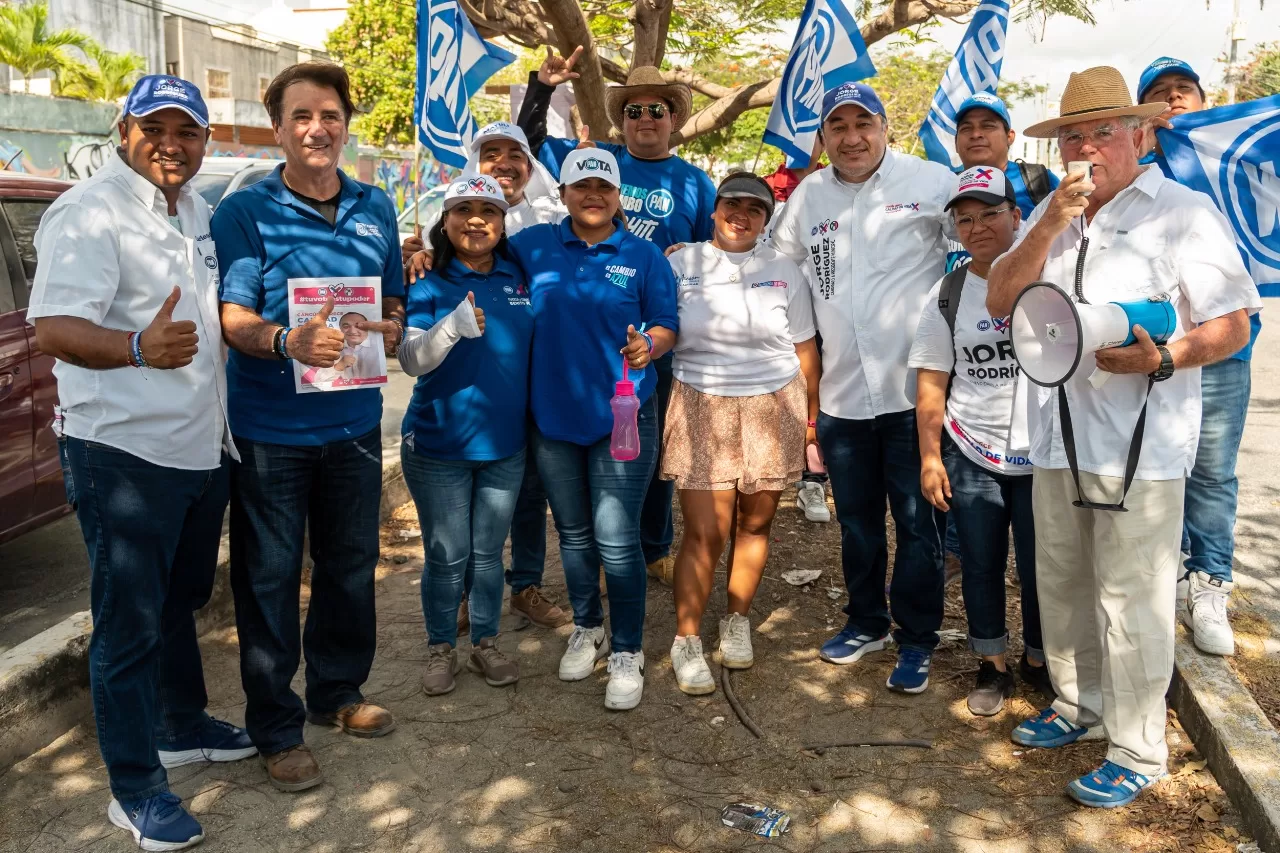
[980, 405]
[741, 315]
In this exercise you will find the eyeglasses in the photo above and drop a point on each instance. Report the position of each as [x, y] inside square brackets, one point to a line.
[987, 218]
[1100, 136]
[656, 110]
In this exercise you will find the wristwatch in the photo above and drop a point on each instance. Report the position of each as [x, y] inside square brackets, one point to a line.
[1165, 370]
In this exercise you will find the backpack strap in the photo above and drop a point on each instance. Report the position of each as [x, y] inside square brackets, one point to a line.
[949, 295]
[1036, 179]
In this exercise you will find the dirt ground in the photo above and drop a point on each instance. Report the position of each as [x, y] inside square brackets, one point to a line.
[543, 766]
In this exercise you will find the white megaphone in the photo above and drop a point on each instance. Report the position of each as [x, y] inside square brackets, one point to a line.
[1051, 333]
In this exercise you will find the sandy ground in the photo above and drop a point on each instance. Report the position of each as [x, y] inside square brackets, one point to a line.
[543, 766]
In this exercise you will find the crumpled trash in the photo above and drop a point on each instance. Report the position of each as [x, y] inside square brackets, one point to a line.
[760, 820]
[800, 577]
[409, 534]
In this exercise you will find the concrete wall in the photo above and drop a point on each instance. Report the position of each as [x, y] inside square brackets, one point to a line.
[122, 25]
[58, 137]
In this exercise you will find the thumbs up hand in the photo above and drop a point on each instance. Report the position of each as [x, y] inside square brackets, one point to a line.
[314, 343]
[167, 345]
[584, 137]
[471, 297]
[636, 350]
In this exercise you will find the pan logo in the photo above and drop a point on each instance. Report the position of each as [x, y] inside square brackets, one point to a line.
[1251, 190]
[659, 204]
[824, 227]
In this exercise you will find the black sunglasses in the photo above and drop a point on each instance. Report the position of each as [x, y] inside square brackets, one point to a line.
[656, 110]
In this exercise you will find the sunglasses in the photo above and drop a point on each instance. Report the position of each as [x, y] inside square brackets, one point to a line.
[634, 111]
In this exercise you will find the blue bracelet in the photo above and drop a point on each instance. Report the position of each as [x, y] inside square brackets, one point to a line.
[284, 340]
[136, 350]
[649, 340]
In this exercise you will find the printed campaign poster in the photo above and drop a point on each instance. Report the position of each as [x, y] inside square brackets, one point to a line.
[363, 363]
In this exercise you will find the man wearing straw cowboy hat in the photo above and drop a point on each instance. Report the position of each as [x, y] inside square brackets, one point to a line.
[666, 199]
[1107, 507]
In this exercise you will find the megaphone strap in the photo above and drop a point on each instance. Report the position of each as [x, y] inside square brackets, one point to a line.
[1130, 465]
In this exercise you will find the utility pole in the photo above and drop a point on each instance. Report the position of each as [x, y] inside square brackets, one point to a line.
[1237, 36]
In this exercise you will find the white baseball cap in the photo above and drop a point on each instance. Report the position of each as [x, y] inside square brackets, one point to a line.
[987, 184]
[583, 163]
[501, 130]
[480, 187]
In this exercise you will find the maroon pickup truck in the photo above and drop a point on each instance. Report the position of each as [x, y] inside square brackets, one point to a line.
[31, 490]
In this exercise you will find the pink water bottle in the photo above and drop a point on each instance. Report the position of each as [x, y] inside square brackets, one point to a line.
[624, 444]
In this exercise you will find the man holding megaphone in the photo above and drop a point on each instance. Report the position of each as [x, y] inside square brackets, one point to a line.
[1111, 450]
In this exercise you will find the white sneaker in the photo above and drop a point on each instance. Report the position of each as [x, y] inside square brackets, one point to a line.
[586, 646]
[735, 642]
[1205, 613]
[626, 681]
[812, 498]
[693, 676]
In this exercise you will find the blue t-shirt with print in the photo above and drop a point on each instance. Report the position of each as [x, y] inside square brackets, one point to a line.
[584, 297]
[474, 405]
[265, 236]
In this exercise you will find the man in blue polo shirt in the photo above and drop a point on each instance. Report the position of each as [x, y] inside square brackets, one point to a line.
[310, 461]
[1209, 512]
[667, 200]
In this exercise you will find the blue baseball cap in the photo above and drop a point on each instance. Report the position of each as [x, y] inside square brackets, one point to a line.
[157, 92]
[851, 93]
[1162, 66]
[986, 101]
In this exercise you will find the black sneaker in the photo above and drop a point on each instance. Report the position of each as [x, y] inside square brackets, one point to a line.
[1037, 677]
[991, 689]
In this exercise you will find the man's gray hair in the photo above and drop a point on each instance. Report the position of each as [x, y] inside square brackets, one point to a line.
[1129, 122]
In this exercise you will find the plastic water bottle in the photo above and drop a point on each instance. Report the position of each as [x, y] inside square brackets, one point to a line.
[624, 444]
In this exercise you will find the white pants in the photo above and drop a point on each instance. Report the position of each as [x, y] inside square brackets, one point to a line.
[1106, 585]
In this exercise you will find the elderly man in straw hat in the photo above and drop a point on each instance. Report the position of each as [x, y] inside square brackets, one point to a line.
[1107, 497]
[667, 201]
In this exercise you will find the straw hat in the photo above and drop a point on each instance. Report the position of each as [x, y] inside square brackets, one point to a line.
[648, 80]
[1092, 94]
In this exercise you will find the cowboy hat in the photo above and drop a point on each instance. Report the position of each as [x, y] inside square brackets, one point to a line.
[1093, 94]
[648, 80]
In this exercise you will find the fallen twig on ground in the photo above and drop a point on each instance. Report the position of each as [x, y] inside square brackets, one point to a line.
[726, 682]
[820, 748]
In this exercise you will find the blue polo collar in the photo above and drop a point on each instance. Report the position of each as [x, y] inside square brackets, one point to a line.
[564, 230]
[501, 267]
[351, 192]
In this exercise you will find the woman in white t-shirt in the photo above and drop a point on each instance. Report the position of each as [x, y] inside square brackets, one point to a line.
[967, 465]
[746, 383]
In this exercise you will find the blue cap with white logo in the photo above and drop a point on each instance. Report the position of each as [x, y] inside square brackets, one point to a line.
[157, 92]
[986, 101]
[1162, 66]
[859, 94]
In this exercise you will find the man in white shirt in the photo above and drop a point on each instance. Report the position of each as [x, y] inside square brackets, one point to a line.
[1107, 577]
[872, 226]
[126, 298]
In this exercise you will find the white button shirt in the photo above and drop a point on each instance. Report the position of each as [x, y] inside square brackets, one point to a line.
[876, 249]
[1155, 237]
[108, 254]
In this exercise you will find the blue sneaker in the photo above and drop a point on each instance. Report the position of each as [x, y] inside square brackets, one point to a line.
[850, 645]
[911, 675]
[1110, 786]
[1047, 730]
[217, 741]
[157, 823]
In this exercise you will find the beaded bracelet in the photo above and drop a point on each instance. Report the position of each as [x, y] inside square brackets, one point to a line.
[284, 344]
[648, 340]
[136, 357]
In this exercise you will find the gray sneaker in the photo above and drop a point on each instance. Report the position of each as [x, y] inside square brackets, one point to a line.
[442, 666]
[498, 670]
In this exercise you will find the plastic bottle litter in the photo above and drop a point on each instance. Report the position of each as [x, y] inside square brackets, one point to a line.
[624, 444]
[760, 820]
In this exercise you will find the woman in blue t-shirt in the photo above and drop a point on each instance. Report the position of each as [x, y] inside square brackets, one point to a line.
[600, 294]
[469, 329]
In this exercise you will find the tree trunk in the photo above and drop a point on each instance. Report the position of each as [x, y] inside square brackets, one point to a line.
[571, 27]
[652, 19]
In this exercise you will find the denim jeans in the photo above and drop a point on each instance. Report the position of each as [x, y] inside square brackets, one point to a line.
[656, 531]
[983, 506]
[529, 529]
[595, 502]
[869, 460]
[464, 509]
[1208, 529]
[279, 493]
[152, 534]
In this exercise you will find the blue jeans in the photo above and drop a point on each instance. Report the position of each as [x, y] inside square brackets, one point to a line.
[529, 529]
[595, 502]
[152, 534]
[280, 492]
[464, 509]
[983, 506]
[869, 461]
[1209, 514]
[656, 531]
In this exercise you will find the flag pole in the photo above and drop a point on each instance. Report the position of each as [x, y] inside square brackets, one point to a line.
[417, 160]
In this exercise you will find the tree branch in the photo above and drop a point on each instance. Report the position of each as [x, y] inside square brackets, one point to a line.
[725, 111]
[566, 17]
[909, 13]
[651, 19]
[697, 83]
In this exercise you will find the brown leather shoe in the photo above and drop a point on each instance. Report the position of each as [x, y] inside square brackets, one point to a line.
[540, 610]
[362, 719]
[662, 569]
[293, 769]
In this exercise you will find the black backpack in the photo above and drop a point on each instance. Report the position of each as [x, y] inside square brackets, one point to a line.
[949, 295]
[1036, 179]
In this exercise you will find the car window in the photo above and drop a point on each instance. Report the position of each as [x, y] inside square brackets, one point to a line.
[253, 177]
[7, 296]
[24, 218]
[211, 187]
[429, 205]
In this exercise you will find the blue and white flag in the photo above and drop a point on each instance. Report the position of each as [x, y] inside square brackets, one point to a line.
[828, 51]
[1232, 154]
[975, 68]
[453, 65]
